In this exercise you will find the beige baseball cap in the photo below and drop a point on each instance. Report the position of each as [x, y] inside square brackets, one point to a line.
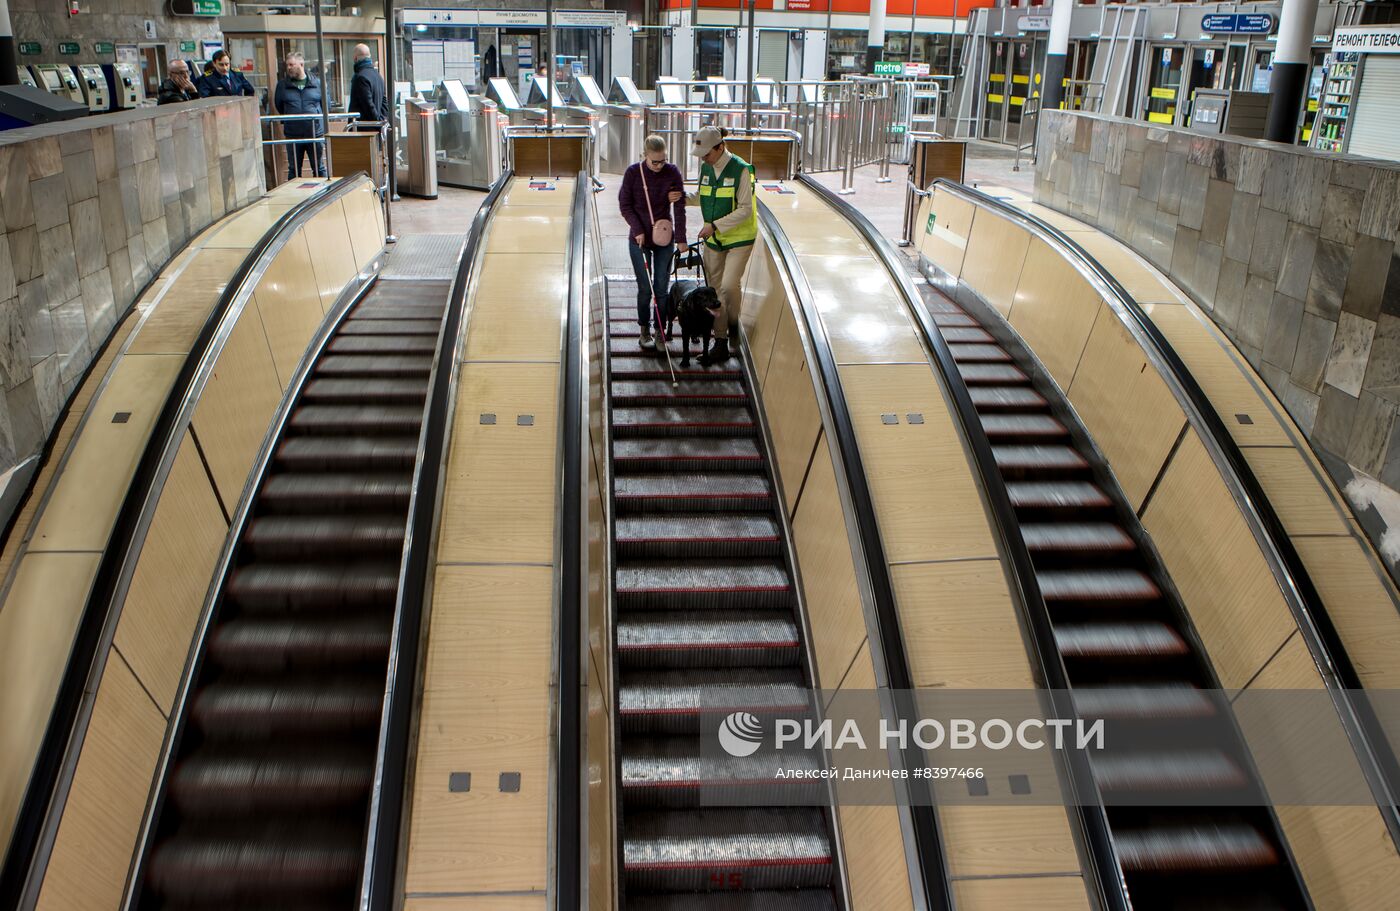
[706, 138]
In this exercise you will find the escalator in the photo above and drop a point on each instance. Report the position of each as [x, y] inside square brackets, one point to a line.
[706, 625]
[269, 784]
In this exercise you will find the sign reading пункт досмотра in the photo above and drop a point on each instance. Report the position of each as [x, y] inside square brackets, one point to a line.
[1368, 39]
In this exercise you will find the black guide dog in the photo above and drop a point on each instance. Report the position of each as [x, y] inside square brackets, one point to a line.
[693, 303]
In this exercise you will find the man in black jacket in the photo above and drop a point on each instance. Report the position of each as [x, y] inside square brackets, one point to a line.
[224, 80]
[298, 92]
[367, 96]
[178, 86]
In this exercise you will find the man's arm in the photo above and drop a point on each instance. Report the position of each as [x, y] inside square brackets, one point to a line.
[743, 204]
[360, 102]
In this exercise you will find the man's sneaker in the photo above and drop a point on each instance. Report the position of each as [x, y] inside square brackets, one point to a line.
[647, 341]
[719, 353]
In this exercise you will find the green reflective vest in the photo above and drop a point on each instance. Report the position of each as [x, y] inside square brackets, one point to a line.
[717, 201]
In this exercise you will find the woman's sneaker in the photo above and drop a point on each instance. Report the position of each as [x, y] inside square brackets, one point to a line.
[647, 341]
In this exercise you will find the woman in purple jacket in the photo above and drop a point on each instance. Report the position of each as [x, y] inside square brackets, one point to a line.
[646, 198]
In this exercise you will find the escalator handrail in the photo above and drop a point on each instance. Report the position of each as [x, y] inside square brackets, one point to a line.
[37, 820]
[1025, 588]
[933, 876]
[572, 541]
[1329, 654]
[378, 890]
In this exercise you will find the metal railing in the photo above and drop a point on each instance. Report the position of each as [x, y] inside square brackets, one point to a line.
[271, 120]
[678, 125]
[1030, 113]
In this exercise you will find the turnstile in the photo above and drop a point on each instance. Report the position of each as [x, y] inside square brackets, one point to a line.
[419, 174]
[620, 121]
[468, 138]
[499, 90]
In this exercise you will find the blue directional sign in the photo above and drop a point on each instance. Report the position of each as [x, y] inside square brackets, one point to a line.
[1239, 23]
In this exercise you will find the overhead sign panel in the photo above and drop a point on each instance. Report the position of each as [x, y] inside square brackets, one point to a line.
[1238, 23]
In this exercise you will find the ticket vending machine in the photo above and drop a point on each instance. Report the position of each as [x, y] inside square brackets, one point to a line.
[94, 86]
[26, 78]
[124, 85]
[59, 79]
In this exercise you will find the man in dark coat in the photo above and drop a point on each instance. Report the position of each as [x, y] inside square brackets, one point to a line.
[178, 86]
[367, 95]
[298, 92]
[223, 79]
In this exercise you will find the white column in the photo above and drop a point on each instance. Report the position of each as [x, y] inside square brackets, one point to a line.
[875, 44]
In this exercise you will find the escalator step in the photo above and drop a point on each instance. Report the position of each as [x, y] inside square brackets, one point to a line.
[1097, 585]
[1006, 398]
[675, 702]
[366, 391]
[400, 326]
[979, 354]
[348, 454]
[1155, 700]
[687, 454]
[1146, 639]
[991, 374]
[652, 368]
[1044, 459]
[259, 711]
[370, 311]
[1075, 537]
[235, 785]
[266, 646]
[735, 586]
[689, 392]
[362, 420]
[939, 304]
[382, 344]
[667, 772]
[336, 493]
[967, 335]
[1022, 427]
[727, 850]
[1177, 770]
[371, 365]
[717, 492]
[1202, 846]
[1056, 495]
[294, 586]
[624, 328]
[789, 900]
[690, 537]
[299, 537]
[707, 639]
[256, 871]
[684, 420]
[952, 319]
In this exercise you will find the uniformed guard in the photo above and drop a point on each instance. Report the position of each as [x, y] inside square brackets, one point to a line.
[725, 199]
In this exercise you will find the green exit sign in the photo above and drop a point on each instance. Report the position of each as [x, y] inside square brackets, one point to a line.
[188, 47]
[68, 48]
[104, 47]
[889, 68]
[208, 7]
[31, 48]
[932, 219]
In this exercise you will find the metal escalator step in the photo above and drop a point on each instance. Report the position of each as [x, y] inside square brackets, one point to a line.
[667, 772]
[787, 900]
[966, 335]
[707, 639]
[693, 453]
[230, 784]
[374, 366]
[624, 328]
[991, 374]
[1096, 585]
[1145, 639]
[1155, 700]
[401, 326]
[979, 354]
[726, 850]
[1022, 427]
[1006, 398]
[1046, 458]
[255, 870]
[274, 586]
[676, 701]
[650, 368]
[387, 420]
[368, 391]
[266, 646]
[937, 303]
[370, 311]
[695, 536]
[683, 420]
[258, 711]
[1200, 846]
[1056, 495]
[709, 492]
[1176, 770]
[624, 348]
[336, 493]
[735, 586]
[348, 454]
[300, 537]
[952, 318]
[1075, 537]
[690, 392]
[382, 344]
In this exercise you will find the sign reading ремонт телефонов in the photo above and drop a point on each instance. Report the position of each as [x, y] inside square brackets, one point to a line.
[1368, 39]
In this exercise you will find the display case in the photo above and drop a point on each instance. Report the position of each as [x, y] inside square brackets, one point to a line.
[1335, 107]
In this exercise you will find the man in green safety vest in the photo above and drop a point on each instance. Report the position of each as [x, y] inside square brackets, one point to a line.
[725, 198]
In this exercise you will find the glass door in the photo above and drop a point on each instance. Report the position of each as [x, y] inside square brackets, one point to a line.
[1024, 83]
[1079, 71]
[1208, 71]
[1165, 65]
[1314, 99]
[996, 89]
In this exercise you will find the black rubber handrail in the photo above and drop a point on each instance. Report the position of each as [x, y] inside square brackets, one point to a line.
[1364, 729]
[1025, 588]
[126, 533]
[378, 886]
[928, 844]
[573, 563]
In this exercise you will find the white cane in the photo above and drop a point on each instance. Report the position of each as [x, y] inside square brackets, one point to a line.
[649, 265]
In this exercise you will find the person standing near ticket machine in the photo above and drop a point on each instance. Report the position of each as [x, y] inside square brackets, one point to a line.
[725, 198]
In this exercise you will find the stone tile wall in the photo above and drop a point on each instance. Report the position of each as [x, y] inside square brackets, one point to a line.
[90, 210]
[1295, 253]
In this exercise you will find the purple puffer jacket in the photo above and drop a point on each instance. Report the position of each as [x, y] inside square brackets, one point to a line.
[632, 199]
